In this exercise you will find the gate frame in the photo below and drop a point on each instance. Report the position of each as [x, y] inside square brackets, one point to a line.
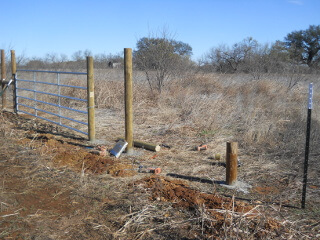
[90, 96]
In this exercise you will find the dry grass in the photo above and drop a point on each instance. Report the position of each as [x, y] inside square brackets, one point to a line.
[255, 113]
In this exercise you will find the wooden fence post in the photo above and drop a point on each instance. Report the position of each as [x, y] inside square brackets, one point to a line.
[90, 98]
[231, 163]
[128, 98]
[14, 72]
[3, 77]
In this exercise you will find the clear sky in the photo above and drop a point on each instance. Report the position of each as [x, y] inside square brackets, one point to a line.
[37, 27]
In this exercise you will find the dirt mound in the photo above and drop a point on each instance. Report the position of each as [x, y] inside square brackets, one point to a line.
[69, 154]
[81, 160]
[76, 156]
[182, 195]
[222, 211]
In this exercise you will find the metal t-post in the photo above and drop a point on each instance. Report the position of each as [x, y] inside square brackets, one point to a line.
[14, 73]
[306, 159]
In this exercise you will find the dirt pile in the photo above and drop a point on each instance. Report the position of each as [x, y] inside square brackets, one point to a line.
[222, 212]
[182, 195]
[68, 154]
[78, 157]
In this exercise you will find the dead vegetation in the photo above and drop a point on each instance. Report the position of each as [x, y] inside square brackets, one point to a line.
[52, 186]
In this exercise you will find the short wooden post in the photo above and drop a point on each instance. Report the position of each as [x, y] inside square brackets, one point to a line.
[14, 86]
[128, 98]
[3, 78]
[231, 163]
[90, 99]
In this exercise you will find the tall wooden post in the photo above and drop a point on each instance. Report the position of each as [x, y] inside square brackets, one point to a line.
[90, 98]
[14, 87]
[128, 98]
[231, 163]
[3, 78]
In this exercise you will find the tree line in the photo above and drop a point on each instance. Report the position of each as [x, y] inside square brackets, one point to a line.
[77, 61]
[162, 57]
[299, 49]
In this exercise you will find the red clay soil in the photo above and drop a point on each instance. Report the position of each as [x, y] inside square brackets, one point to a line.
[77, 157]
[181, 195]
[70, 155]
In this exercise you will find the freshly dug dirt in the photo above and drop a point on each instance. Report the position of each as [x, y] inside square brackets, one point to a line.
[182, 195]
[80, 159]
[70, 155]
[218, 207]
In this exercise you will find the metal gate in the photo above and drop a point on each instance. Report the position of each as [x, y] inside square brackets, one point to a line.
[32, 92]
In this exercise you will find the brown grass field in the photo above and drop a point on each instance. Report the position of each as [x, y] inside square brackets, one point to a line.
[52, 186]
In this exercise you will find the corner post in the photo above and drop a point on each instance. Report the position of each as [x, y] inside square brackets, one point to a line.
[128, 98]
[90, 99]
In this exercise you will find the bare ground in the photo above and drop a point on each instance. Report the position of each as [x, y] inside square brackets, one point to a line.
[53, 187]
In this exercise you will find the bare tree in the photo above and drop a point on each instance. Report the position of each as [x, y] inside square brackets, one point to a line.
[160, 57]
[246, 56]
[77, 56]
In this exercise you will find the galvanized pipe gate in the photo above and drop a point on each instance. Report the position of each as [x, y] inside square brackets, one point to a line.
[32, 86]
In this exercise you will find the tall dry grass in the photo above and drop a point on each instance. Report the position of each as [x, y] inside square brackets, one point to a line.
[264, 113]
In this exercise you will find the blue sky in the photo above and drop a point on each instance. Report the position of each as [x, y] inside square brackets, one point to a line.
[65, 26]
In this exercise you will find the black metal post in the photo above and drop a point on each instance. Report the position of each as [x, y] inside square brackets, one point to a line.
[14, 72]
[15, 104]
[306, 159]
